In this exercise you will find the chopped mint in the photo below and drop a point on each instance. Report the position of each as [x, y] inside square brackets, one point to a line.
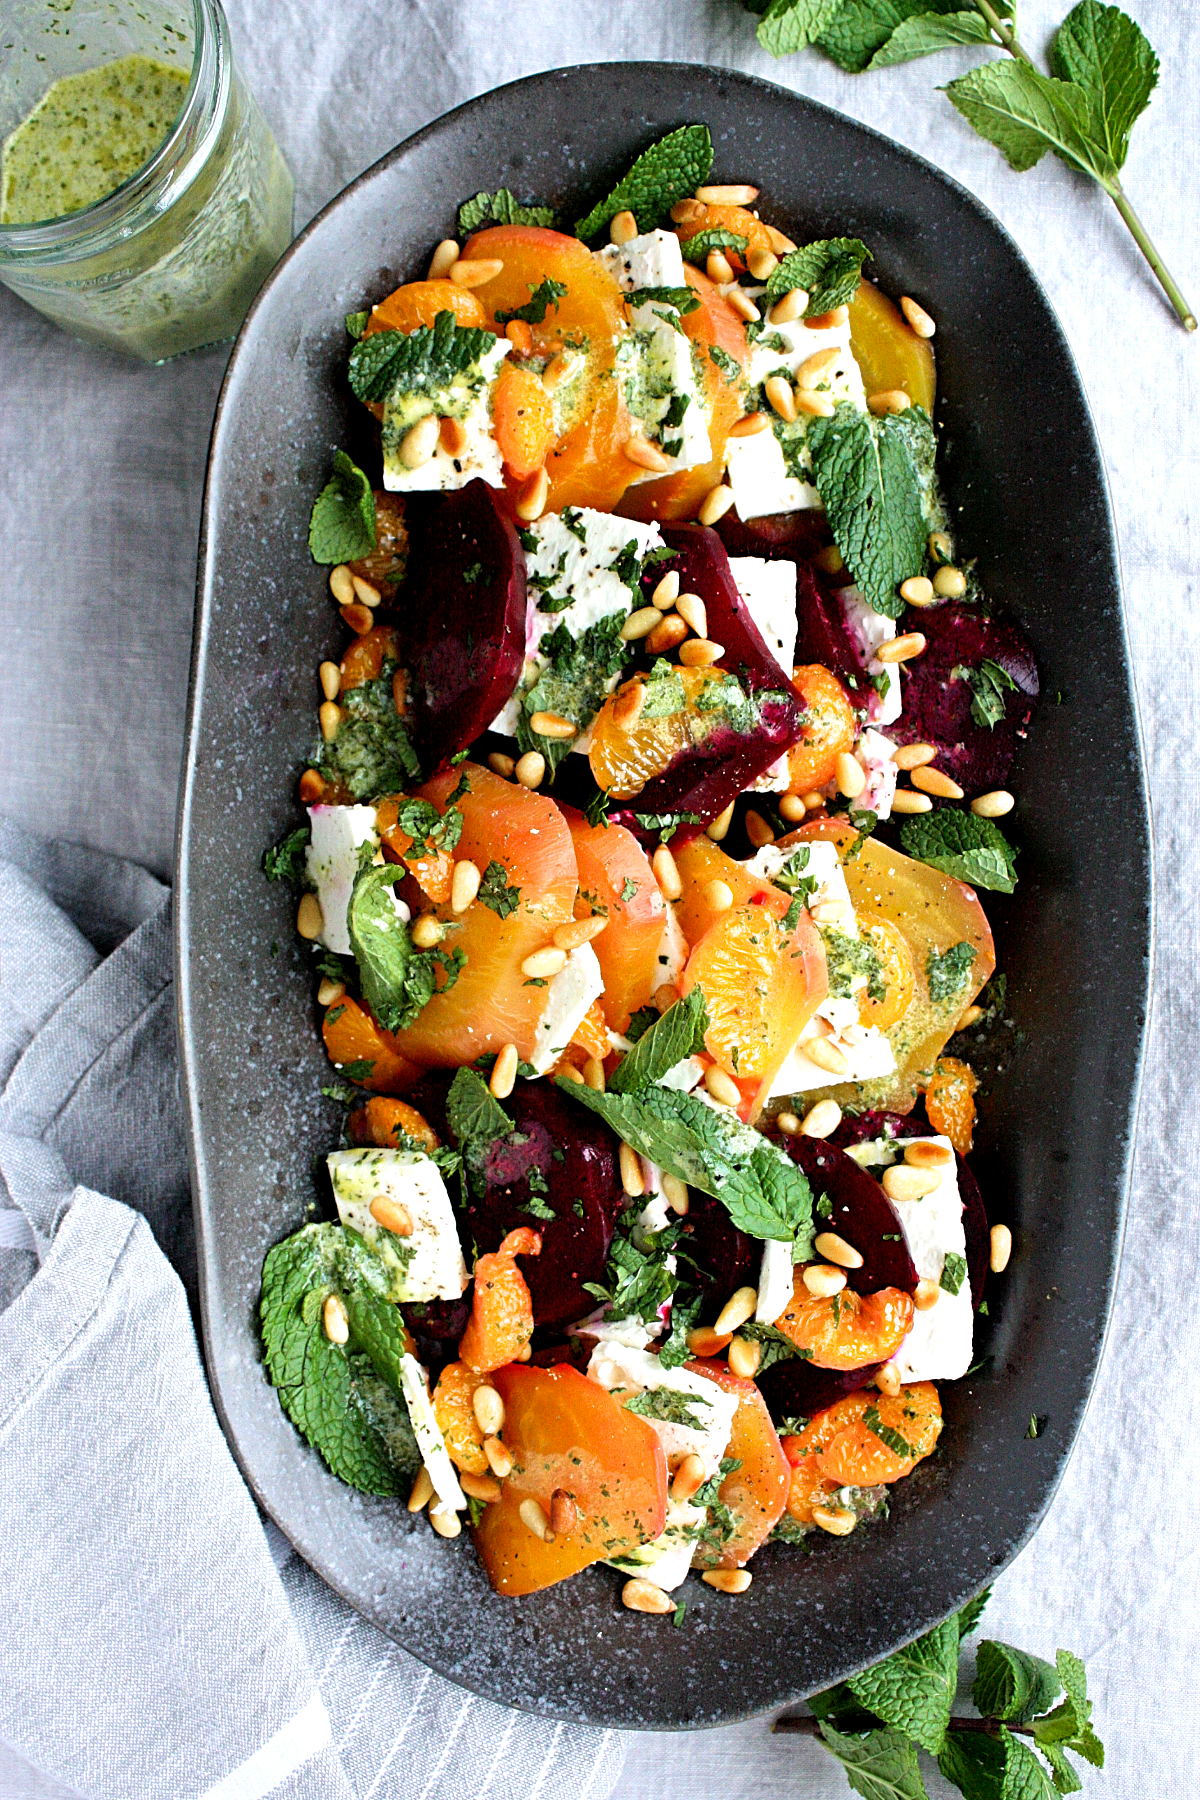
[829, 270]
[546, 294]
[947, 970]
[500, 208]
[285, 860]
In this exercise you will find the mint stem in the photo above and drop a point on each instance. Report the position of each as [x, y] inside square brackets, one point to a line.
[1006, 35]
[805, 1725]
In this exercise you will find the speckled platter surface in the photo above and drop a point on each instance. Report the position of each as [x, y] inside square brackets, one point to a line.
[1025, 479]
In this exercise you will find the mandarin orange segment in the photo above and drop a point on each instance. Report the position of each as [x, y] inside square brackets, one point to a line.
[808, 1486]
[829, 728]
[501, 1322]
[625, 757]
[950, 1101]
[522, 420]
[365, 657]
[420, 302]
[701, 862]
[735, 219]
[389, 1120]
[591, 1033]
[899, 974]
[454, 1411]
[434, 875]
[847, 1330]
[866, 1450]
[372, 1056]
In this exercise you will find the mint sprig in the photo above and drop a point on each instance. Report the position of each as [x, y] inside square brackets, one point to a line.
[424, 361]
[398, 980]
[868, 474]
[677, 1034]
[700, 246]
[961, 844]
[341, 526]
[500, 208]
[668, 171]
[829, 270]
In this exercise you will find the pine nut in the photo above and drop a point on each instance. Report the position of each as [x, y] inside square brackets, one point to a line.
[580, 931]
[310, 787]
[782, 246]
[827, 1056]
[693, 612]
[851, 776]
[700, 653]
[336, 1320]
[524, 1353]
[330, 716]
[688, 1477]
[791, 808]
[923, 1153]
[778, 391]
[622, 228]
[640, 623]
[310, 920]
[675, 1193]
[737, 1309]
[723, 1088]
[1000, 1248]
[949, 583]
[816, 367]
[829, 321]
[836, 1250]
[640, 1595]
[534, 1519]
[742, 304]
[789, 1124]
[666, 996]
[475, 272]
[544, 963]
[887, 1380]
[531, 501]
[500, 764]
[823, 1281]
[504, 1073]
[480, 1487]
[715, 505]
[391, 1215]
[556, 371]
[627, 705]
[718, 268]
[758, 829]
[911, 756]
[367, 592]
[917, 317]
[464, 885]
[564, 1512]
[358, 618]
[750, 426]
[719, 896]
[452, 435]
[762, 264]
[905, 801]
[734, 193]
[593, 1074]
[814, 406]
[903, 1182]
[788, 308]
[838, 1521]
[667, 592]
[728, 1581]
[499, 1457]
[828, 912]
[341, 585]
[971, 1015]
[892, 400]
[645, 455]
[993, 805]
[718, 829]
[704, 1341]
[830, 560]
[926, 1295]
[686, 212]
[530, 769]
[932, 781]
[631, 1172]
[418, 445]
[329, 991]
[428, 931]
[744, 1357]
[421, 1492]
[331, 680]
[552, 725]
[488, 1407]
[822, 1119]
[939, 546]
[443, 260]
[666, 873]
[445, 1521]
[909, 643]
[664, 637]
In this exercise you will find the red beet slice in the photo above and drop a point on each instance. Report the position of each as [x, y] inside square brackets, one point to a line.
[461, 617]
[437, 1328]
[860, 1212]
[787, 537]
[821, 633]
[726, 1259]
[796, 1389]
[937, 703]
[975, 1225]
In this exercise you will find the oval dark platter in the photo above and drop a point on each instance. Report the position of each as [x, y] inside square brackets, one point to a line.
[1024, 475]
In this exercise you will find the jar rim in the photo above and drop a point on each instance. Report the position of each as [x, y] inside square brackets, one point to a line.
[160, 182]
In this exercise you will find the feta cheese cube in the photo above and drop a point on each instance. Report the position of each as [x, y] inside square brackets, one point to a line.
[769, 590]
[653, 260]
[332, 861]
[868, 631]
[568, 998]
[938, 1348]
[468, 399]
[757, 473]
[429, 1264]
[627, 1373]
[866, 1049]
[783, 349]
[776, 1281]
[824, 866]
[658, 372]
[428, 1433]
[877, 753]
[684, 1076]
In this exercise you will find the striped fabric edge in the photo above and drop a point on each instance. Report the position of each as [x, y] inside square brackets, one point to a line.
[293, 1744]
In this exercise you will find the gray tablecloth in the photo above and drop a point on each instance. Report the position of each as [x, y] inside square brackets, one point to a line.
[102, 466]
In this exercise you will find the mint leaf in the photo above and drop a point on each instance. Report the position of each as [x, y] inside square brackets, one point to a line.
[476, 1121]
[730, 367]
[880, 1766]
[1024, 1776]
[500, 208]
[424, 361]
[1105, 53]
[829, 270]
[398, 981]
[971, 1614]
[285, 861]
[670, 170]
[341, 527]
[912, 1689]
[640, 1279]
[946, 971]
[927, 33]
[678, 1033]
[495, 893]
[673, 1350]
[988, 684]
[546, 294]
[763, 1191]
[954, 1272]
[372, 753]
[670, 1407]
[773, 1346]
[574, 682]
[681, 298]
[960, 844]
[974, 1763]
[1062, 1773]
[867, 475]
[1010, 1684]
[700, 246]
[666, 824]
[861, 29]
[888, 1435]
[356, 324]
[1025, 113]
[787, 25]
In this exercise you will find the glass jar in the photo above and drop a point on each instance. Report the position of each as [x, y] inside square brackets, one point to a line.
[172, 258]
